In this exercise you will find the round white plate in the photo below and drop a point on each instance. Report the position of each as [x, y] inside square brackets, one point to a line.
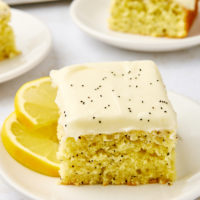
[92, 16]
[186, 187]
[33, 40]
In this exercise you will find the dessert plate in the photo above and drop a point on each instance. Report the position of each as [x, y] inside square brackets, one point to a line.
[33, 40]
[186, 187]
[92, 16]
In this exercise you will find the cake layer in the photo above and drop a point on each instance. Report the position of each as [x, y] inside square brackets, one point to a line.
[7, 38]
[160, 18]
[4, 12]
[132, 158]
[112, 97]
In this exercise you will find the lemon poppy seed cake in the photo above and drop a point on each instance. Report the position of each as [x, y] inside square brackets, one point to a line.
[116, 124]
[159, 18]
[7, 38]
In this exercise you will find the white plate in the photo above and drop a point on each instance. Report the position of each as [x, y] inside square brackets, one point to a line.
[32, 38]
[18, 2]
[186, 187]
[92, 16]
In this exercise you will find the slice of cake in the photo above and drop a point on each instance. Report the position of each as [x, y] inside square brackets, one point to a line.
[116, 124]
[160, 18]
[7, 38]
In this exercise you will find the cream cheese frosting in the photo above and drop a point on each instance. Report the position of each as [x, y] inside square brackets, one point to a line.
[188, 4]
[112, 97]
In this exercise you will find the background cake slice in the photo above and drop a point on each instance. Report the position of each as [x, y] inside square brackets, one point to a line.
[7, 38]
[116, 124]
[160, 18]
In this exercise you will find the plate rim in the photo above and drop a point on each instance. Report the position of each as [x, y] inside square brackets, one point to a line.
[27, 66]
[15, 186]
[187, 42]
[192, 194]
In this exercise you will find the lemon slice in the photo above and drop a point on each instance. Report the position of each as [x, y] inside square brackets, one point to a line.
[34, 103]
[35, 149]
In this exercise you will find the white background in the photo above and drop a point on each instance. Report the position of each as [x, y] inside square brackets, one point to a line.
[180, 70]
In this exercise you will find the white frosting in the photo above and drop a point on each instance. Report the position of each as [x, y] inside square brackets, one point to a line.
[189, 4]
[112, 97]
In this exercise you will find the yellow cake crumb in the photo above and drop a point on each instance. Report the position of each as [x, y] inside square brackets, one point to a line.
[132, 158]
[7, 38]
[159, 18]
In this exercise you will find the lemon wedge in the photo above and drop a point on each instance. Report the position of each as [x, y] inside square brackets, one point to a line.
[34, 103]
[34, 148]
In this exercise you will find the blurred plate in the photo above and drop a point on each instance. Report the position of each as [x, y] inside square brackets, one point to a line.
[33, 40]
[186, 187]
[17, 2]
[92, 16]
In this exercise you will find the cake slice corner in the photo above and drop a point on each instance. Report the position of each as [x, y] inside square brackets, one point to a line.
[117, 125]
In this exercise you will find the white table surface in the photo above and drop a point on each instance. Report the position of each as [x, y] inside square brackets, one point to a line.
[180, 70]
